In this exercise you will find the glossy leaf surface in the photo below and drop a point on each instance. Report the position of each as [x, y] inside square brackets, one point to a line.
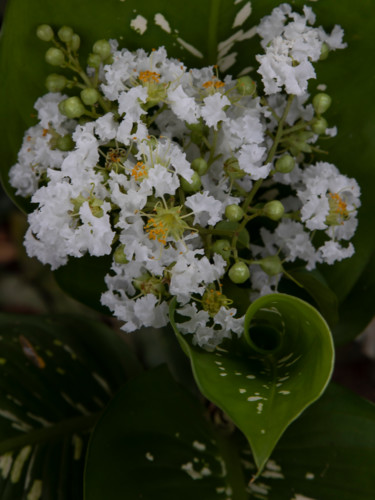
[282, 365]
[55, 380]
[328, 453]
[154, 442]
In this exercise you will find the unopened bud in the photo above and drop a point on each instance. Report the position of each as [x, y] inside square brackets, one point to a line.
[89, 96]
[273, 210]
[72, 107]
[321, 102]
[285, 164]
[245, 85]
[55, 56]
[319, 125]
[192, 186]
[44, 32]
[234, 212]
[65, 34]
[55, 82]
[102, 48]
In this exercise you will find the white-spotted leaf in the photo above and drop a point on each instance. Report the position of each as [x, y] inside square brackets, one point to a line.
[264, 380]
[55, 380]
[153, 442]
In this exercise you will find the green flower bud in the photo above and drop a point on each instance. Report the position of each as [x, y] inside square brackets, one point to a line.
[72, 107]
[273, 210]
[285, 164]
[192, 186]
[55, 82]
[94, 60]
[222, 247]
[55, 56]
[234, 213]
[65, 34]
[245, 85]
[271, 265]
[119, 256]
[321, 102]
[232, 169]
[89, 96]
[65, 143]
[324, 51]
[239, 272]
[199, 165]
[319, 125]
[75, 42]
[44, 32]
[102, 48]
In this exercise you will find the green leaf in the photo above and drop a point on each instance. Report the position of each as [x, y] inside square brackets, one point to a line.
[328, 453]
[315, 285]
[266, 379]
[83, 279]
[154, 442]
[55, 380]
[357, 310]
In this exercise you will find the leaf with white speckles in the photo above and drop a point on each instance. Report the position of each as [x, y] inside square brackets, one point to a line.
[55, 379]
[285, 359]
[154, 442]
[328, 453]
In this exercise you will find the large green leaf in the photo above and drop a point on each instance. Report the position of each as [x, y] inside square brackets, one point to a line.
[265, 380]
[153, 442]
[327, 454]
[55, 380]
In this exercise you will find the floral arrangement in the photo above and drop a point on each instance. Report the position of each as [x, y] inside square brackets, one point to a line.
[215, 200]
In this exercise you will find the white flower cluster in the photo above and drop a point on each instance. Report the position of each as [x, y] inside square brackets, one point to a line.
[168, 180]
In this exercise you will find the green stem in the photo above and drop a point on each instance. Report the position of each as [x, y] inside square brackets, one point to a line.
[230, 453]
[68, 426]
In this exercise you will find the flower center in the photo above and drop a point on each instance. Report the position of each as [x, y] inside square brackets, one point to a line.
[166, 222]
[213, 300]
[338, 212]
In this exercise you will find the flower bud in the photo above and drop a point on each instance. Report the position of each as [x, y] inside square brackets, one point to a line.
[44, 32]
[65, 143]
[245, 85]
[55, 56]
[271, 265]
[72, 107]
[89, 96]
[285, 164]
[319, 125]
[273, 210]
[324, 51]
[94, 60]
[102, 48]
[119, 256]
[199, 165]
[192, 186]
[222, 247]
[239, 273]
[65, 34]
[321, 102]
[55, 82]
[75, 42]
[234, 213]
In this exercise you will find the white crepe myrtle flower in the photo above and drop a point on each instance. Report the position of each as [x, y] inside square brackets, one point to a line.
[147, 172]
[329, 200]
[290, 48]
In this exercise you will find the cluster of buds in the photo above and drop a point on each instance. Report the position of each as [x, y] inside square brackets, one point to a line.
[188, 180]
